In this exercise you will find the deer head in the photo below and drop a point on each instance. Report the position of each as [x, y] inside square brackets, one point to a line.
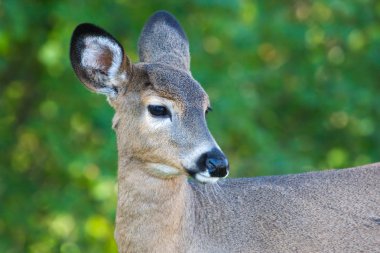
[159, 108]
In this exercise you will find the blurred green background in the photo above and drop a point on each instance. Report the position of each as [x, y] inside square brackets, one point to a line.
[294, 86]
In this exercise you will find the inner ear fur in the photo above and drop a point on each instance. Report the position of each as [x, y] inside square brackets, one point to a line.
[98, 60]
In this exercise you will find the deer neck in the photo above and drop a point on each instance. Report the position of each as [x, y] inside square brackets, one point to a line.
[151, 211]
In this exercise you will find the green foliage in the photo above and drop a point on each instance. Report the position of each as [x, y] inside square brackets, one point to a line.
[294, 88]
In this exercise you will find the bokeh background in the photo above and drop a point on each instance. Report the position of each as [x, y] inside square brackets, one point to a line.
[294, 87]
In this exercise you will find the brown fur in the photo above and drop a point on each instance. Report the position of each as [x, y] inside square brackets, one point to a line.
[159, 210]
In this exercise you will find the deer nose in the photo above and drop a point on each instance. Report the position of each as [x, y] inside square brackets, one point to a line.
[217, 164]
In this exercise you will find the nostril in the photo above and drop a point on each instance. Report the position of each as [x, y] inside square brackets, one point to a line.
[214, 163]
[217, 167]
[211, 164]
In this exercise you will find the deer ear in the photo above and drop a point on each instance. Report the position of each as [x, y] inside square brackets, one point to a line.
[98, 60]
[164, 41]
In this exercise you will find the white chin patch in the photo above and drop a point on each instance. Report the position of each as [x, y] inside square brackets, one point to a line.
[205, 177]
[164, 170]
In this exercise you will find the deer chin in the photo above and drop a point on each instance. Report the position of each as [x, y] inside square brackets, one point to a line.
[205, 177]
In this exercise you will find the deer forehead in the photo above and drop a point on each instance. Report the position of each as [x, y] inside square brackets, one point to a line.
[176, 85]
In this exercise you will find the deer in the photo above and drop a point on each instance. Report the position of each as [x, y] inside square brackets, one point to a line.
[172, 192]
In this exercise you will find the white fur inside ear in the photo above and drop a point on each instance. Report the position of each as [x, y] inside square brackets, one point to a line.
[96, 48]
[101, 53]
[110, 92]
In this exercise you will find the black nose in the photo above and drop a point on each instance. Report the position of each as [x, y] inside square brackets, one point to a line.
[216, 163]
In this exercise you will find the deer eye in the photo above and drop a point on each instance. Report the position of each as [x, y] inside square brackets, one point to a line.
[209, 109]
[158, 111]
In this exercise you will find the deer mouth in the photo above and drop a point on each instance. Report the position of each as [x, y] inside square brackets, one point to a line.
[204, 176]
